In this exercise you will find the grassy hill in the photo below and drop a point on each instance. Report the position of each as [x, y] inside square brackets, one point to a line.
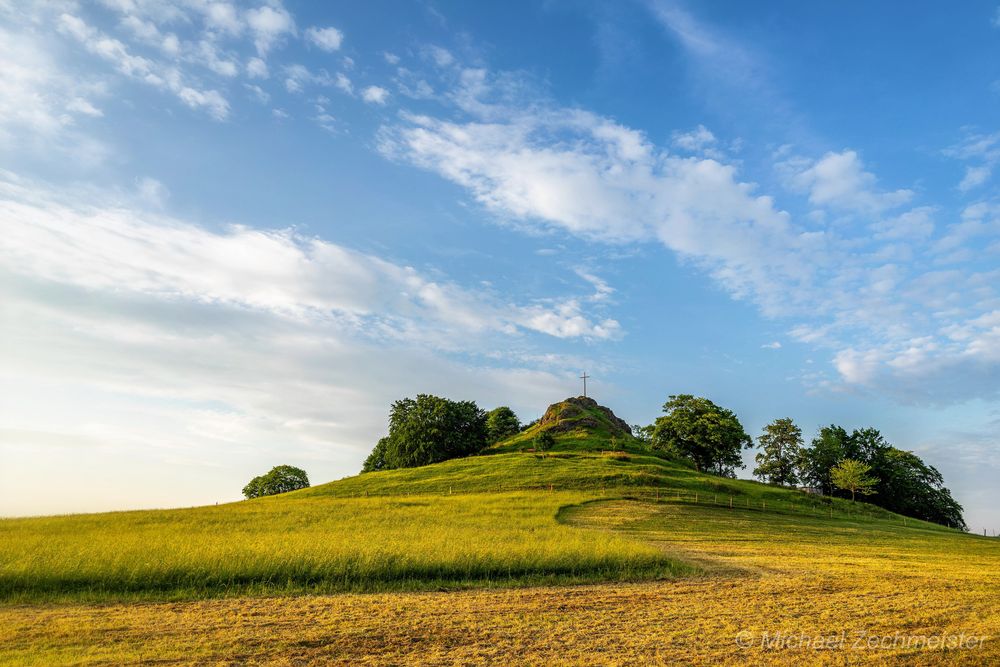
[497, 519]
[693, 562]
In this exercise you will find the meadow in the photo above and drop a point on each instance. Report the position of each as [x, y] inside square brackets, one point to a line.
[758, 575]
[481, 521]
[600, 552]
[315, 544]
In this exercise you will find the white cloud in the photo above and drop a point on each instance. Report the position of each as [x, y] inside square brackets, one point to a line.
[258, 93]
[981, 149]
[574, 170]
[696, 140]
[839, 180]
[375, 95]
[917, 223]
[344, 83]
[390, 58]
[269, 24]
[974, 177]
[41, 107]
[774, 345]
[152, 192]
[143, 69]
[439, 56]
[276, 271]
[82, 106]
[327, 39]
[224, 17]
[257, 69]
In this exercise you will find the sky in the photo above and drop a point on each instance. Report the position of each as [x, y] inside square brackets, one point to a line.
[232, 234]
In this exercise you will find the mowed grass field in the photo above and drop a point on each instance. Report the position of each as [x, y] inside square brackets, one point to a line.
[759, 574]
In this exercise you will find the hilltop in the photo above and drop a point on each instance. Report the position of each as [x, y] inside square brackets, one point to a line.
[577, 423]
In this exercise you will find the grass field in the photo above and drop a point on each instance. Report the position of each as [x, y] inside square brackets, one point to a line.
[455, 564]
[316, 544]
[487, 520]
[762, 574]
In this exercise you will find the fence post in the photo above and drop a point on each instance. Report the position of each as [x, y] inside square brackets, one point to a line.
[696, 498]
[730, 502]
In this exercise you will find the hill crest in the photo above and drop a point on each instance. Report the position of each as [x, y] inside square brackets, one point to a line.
[582, 413]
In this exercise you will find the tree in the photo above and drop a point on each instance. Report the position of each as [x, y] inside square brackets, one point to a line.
[280, 479]
[818, 460]
[543, 441]
[376, 460]
[865, 445]
[909, 486]
[644, 434]
[428, 430]
[781, 453]
[696, 428]
[851, 475]
[501, 423]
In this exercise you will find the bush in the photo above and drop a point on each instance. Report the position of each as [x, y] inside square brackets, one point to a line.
[281, 479]
[544, 441]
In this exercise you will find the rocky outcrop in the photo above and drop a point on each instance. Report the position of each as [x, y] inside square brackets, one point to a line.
[581, 413]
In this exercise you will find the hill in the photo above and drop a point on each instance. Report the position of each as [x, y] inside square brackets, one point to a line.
[505, 508]
[718, 557]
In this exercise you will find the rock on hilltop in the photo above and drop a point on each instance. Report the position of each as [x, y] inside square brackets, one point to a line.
[582, 414]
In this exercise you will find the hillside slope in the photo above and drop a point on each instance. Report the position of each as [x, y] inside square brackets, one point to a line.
[488, 520]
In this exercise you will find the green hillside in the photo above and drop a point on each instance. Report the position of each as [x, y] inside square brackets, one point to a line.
[506, 517]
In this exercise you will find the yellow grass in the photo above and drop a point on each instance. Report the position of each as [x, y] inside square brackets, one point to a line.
[765, 574]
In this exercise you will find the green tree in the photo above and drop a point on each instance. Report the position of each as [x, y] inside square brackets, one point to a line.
[543, 441]
[644, 434]
[909, 486]
[710, 436]
[280, 479]
[818, 460]
[781, 453]
[426, 430]
[851, 475]
[865, 445]
[501, 423]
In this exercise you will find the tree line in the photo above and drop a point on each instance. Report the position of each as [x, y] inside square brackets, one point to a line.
[836, 463]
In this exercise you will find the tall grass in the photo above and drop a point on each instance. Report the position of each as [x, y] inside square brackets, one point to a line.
[316, 544]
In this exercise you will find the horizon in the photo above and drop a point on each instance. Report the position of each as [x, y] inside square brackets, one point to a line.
[234, 234]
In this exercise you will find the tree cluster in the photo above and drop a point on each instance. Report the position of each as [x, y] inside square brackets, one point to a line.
[430, 429]
[860, 462]
[280, 479]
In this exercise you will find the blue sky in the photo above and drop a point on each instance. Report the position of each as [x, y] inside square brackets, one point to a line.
[234, 233]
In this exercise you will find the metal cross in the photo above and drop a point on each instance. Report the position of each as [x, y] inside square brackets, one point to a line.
[584, 378]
